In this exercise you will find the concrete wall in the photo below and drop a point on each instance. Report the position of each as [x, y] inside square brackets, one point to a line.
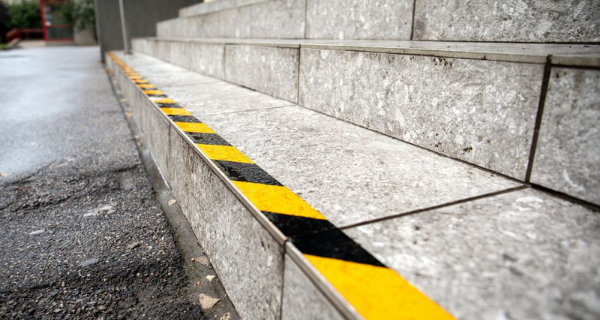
[141, 17]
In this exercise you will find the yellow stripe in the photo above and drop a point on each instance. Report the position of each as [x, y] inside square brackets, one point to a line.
[377, 293]
[140, 81]
[175, 111]
[153, 92]
[135, 77]
[147, 85]
[162, 100]
[277, 199]
[193, 127]
[225, 153]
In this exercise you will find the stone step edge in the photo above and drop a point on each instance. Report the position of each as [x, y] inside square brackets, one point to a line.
[204, 8]
[357, 260]
[557, 54]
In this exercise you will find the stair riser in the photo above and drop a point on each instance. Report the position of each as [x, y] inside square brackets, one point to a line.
[272, 19]
[247, 258]
[462, 20]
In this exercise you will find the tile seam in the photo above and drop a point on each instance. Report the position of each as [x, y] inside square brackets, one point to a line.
[538, 119]
[440, 206]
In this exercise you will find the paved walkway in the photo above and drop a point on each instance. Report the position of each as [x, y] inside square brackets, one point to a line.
[81, 233]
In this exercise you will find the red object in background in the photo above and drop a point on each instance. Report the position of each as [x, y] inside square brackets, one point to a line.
[54, 25]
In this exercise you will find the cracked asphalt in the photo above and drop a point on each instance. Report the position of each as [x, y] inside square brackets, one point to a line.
[81, 233]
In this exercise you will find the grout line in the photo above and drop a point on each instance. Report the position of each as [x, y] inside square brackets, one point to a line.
[305, 18]
[412, 25]
[283, 266]
[538, 119]
[487, 195]
[566, 197]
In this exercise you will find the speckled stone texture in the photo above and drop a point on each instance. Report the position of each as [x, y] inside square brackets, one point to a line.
[568, 151]
[226, 230]
[205, 26]
[208, 7]
[521, 255]
[479, 111]
[359, 19]
[235, 23]
[247, 259]
[508, 21]
[281, 19]
[221, 97]
[349, 174]
[271, 70]
[301, 299]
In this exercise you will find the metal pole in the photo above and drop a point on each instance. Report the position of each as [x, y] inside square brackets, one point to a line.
[124, 28]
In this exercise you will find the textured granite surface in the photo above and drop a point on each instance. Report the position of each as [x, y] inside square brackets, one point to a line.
[208, 7]
[282, 19]
[568, 151]
[510, 20]
[479, 111]
[358, 19]
[301, 299]
[207, 59]
[348, 173]
[226, 230]
[267, 69]
[221, 97]
[521, 255]
[235, 23]
[247, 259]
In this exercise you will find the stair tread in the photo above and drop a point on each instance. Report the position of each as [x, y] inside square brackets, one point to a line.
[563, 54]
[353, 175]
[301, 148]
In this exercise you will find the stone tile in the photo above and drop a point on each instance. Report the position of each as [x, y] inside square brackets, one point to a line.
[357, 19]
[520, 255]
[301, 299]
[267, 69]
[228, 233]
[236, 23]
[349, 174]
[208, 59]
[479, 111]
[283, 19]
[221, 97]
[208, 7]
[568, 150]
[508, 21]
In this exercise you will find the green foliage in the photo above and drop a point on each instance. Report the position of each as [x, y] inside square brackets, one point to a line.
[25, 15]
[80, 14]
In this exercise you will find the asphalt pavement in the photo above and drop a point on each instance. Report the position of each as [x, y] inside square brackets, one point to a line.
[82, 235]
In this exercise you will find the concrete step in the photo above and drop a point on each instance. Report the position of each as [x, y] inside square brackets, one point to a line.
[460, 20]
[306, 216]
[492, 105]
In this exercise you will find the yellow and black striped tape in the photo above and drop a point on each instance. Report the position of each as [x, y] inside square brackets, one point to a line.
[375, 291]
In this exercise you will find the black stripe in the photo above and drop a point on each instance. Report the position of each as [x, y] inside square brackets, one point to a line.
[294, 226]
[246, 172]
[334, 244]
[155, 95]
[168, 105]
[207, 138]
[190, 119]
